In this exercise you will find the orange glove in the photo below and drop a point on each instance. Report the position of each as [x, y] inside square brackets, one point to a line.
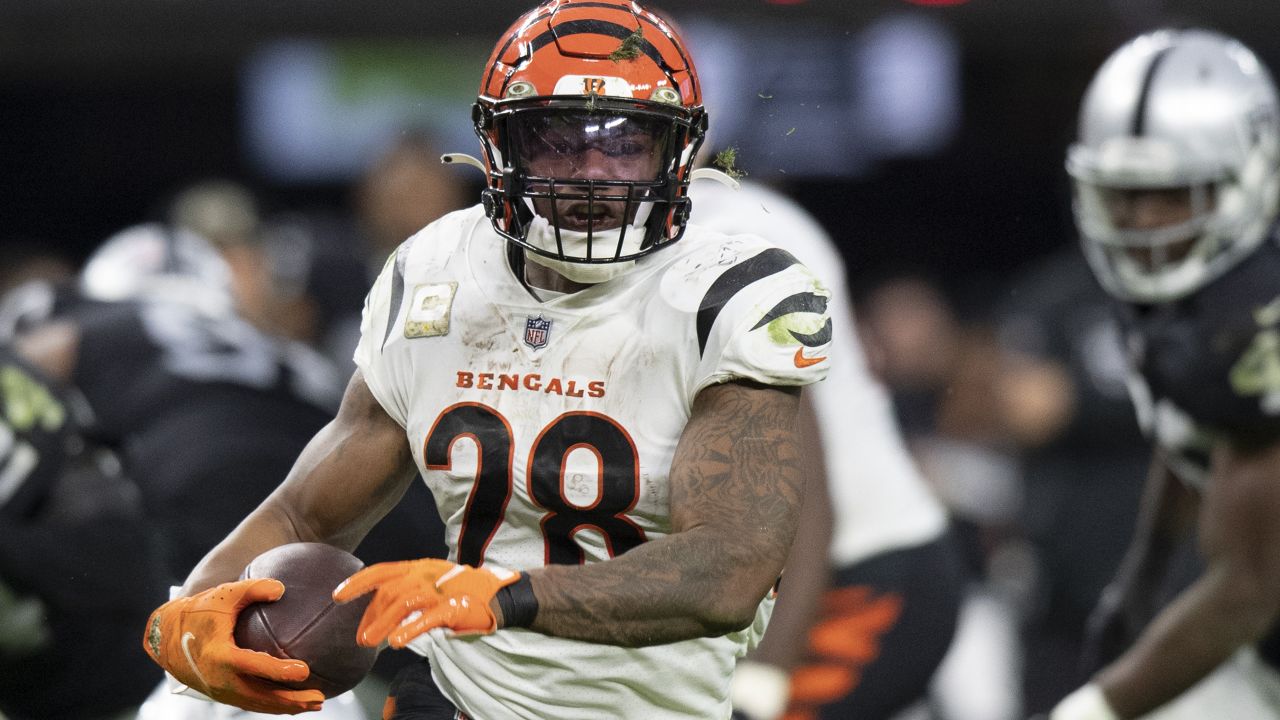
[191, 638]
[440, 593]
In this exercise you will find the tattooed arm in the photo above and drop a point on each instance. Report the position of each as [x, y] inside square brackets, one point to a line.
[351, 474]
[736, 492]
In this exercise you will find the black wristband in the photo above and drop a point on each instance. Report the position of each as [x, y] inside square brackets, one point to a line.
[519, 604]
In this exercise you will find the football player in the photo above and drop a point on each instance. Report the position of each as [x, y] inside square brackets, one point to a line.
[204, 410]
[1177, 174]
[601, 397]
[79, 568]
[859, 630]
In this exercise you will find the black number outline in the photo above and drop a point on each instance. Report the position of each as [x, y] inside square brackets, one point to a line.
[437, 454]
[620, 532]
[484, 512]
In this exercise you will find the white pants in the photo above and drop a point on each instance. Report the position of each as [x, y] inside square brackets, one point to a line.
[165, 705]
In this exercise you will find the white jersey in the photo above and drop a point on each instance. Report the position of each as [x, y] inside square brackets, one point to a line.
[879, 500]
[546, 432]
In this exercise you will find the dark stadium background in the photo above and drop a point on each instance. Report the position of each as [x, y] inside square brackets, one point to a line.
[108, 107]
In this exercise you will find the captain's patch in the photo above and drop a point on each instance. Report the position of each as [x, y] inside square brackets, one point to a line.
[429, 310]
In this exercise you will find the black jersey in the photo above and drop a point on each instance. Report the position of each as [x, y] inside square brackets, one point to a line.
[208, 413]
[1208, 366]
[139, 361]
[79, 568]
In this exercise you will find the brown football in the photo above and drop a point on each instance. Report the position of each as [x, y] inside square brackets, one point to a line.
[306, 624]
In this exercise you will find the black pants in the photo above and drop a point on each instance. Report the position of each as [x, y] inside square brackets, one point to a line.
[414, 696]
[884, 627]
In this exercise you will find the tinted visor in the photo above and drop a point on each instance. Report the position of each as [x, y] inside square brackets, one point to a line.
[601, 146]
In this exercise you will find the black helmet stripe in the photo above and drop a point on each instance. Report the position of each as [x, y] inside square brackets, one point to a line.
[597, 27]
[646, 19]
[493, 67]
[1144, 95]
[498, 56]
[647, 45]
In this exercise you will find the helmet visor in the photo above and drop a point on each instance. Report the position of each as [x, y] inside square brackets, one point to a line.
[596, 146]
[592, 171]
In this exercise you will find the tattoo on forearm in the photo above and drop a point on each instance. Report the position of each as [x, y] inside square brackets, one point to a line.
[736, 493]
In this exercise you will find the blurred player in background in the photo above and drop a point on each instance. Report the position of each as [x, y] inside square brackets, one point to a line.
[859, 629]
[599, 397]
[204, 409]
[294, 275]
[301, 277]
[79, 563]
[1177, 178]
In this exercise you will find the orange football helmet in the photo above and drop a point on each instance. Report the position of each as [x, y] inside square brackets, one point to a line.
[590, 115]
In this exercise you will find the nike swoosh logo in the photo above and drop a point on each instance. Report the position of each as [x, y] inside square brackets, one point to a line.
[804, 362]
[187, 637]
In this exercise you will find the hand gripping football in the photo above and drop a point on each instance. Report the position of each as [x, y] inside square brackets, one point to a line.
[306, 624]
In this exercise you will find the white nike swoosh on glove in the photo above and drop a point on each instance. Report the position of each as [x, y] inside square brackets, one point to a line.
[187, 637]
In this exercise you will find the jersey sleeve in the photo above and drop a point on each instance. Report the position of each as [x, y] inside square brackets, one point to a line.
[766, 318]
[383, 370]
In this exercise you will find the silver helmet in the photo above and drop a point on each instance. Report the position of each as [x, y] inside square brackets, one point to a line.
[151, 262]
[1193, 115]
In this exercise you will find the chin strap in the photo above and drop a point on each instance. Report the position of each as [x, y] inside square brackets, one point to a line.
[462, 159]
[713, 174]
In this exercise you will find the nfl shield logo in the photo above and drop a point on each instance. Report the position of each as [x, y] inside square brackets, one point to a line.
[536, 332]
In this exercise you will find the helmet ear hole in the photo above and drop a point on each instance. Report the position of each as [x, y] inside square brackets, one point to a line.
[493, 207]
[481, 117]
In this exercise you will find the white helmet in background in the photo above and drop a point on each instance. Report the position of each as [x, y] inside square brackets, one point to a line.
[155, 262]
[1187, 110]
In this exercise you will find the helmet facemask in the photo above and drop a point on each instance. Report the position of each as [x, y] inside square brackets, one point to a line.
[1211, 216]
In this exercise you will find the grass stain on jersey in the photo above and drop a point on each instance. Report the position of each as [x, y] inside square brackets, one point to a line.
[783, 331]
